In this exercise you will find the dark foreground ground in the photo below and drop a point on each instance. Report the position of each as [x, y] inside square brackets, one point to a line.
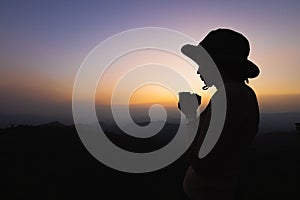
[52, 163]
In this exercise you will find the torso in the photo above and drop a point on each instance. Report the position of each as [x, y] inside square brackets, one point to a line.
[240, 128]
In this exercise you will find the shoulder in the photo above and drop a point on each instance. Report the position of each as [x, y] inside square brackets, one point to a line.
[240, 99]
[240, 93]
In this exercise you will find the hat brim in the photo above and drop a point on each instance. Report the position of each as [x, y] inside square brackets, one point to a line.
[191, 51]
[245, 66]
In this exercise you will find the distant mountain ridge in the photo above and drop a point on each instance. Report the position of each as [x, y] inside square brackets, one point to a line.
[54, 124]
[274, 122]
[269, 122]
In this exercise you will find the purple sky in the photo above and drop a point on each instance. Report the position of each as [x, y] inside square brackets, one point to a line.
[44, 42]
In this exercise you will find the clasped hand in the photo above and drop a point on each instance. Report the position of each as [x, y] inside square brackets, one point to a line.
[189, 103]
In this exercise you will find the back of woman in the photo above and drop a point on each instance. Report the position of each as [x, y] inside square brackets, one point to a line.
[240, 127]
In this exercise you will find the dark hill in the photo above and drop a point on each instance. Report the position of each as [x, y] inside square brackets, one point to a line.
[51, 163]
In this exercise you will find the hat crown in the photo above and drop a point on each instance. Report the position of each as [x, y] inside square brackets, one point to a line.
[229, 50]
[226, 43]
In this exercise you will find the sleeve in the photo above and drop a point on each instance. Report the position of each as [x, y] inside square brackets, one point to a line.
[201, 128]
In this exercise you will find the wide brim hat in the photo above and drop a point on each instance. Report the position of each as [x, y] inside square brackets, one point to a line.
[229, 50]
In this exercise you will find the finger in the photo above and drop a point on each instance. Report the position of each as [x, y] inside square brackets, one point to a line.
[198, 98]
[178, 106]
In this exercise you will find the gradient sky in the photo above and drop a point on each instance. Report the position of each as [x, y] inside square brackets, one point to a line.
[43, 43]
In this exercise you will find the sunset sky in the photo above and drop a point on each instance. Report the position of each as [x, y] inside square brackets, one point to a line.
[43, 43]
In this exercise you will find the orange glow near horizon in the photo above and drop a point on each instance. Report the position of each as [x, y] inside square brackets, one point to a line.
[152, 94]
[277, 86]
[149, 93]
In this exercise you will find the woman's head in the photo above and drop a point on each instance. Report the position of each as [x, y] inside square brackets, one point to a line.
[229, 50]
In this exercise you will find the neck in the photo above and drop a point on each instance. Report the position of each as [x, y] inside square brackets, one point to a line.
[234, 81]
[225, 82]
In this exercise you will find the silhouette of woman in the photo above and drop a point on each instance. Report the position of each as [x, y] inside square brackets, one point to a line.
[215, 176]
